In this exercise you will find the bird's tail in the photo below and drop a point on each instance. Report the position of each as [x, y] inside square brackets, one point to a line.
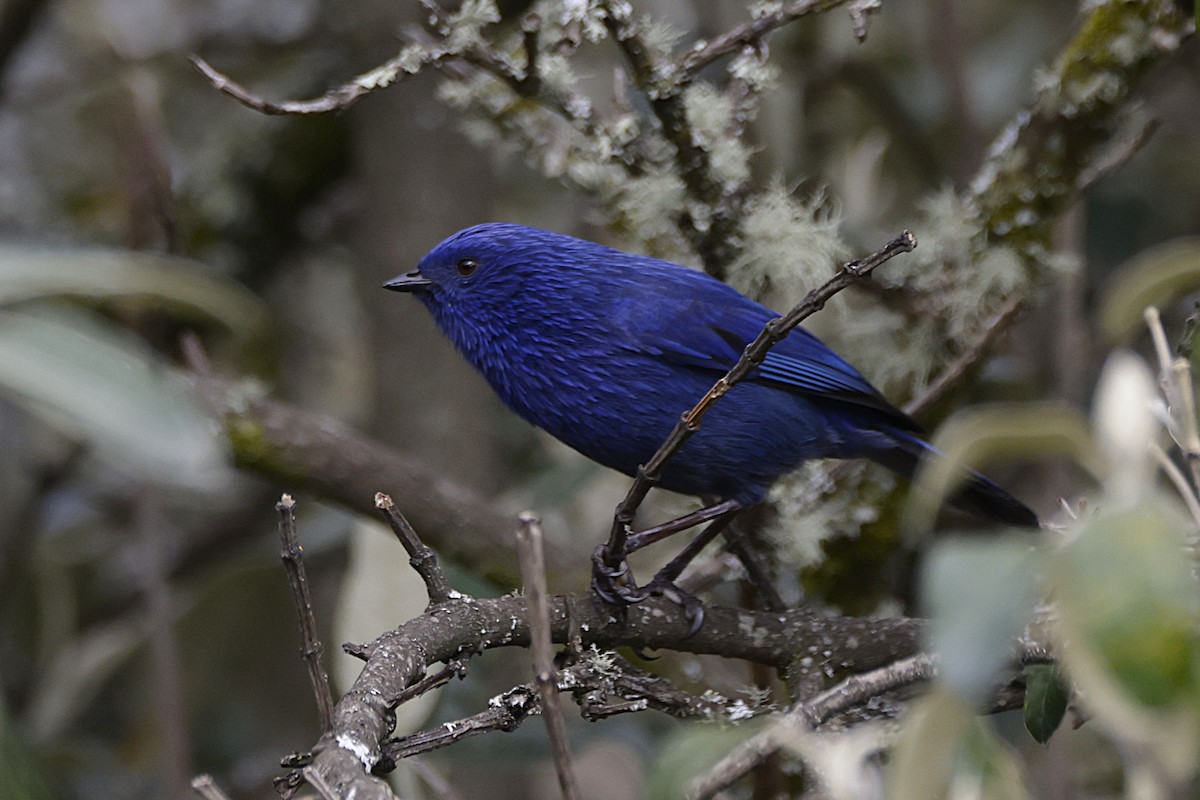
[978, 495]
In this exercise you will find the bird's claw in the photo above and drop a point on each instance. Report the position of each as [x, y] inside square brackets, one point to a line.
[605, 583]
[693, 607]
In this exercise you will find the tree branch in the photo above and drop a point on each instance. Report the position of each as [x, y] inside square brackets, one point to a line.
[319, 454]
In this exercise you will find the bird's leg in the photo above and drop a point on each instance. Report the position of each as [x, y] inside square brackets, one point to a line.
[609, 568]
[657, 533]
[756, 570]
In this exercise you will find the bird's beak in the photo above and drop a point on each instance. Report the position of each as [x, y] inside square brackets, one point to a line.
[412, 282]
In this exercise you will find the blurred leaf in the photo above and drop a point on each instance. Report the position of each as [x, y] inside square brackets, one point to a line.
[1045, 701]
[945, 751]
[110, 391]
[182, 287]
[1127, 591]
[979, 594]
[971, 438]
[1164, 271]
[1128, 611]
[1125, 422]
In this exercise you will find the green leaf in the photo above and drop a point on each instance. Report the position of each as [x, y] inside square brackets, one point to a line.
[1045, 701]
[182, 287]
[1149, 278]
[110, 391]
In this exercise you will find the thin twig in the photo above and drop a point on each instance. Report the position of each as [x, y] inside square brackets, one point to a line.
[455, 669]
[292, 555]
[165, 660]
[810, 714]
[748, 33]
[318, 782]
[533, 570]
[531, 29]
[950, 375]
[207, 788]
[505, 712]
[337, 99]
[858, 689]
[420, 556]
[1117, 154]
[1176, 476]
[1189, 439]
[772, 333]
[1175, 378]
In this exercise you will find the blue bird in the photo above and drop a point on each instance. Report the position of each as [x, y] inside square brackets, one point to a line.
[604, 350]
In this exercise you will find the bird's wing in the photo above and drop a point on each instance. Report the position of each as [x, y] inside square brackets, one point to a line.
[712, 336]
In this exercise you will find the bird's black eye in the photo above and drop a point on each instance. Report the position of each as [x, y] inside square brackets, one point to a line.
[466, 266]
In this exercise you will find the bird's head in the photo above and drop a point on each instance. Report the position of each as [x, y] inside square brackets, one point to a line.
[478, 267]
[485, 276]
[489, 279]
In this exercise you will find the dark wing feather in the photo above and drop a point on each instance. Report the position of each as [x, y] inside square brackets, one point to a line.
[712, 336]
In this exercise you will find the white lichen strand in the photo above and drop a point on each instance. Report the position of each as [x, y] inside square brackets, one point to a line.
[750, 67]
[647, 206]
[366, 755]
[766, 8]
[791, 246]
[604, 662]
[587, 14]
[810, 511]
[659, 35]
[467, 23]
[710, 117]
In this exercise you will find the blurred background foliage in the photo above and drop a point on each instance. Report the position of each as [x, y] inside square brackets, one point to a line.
[145, 632]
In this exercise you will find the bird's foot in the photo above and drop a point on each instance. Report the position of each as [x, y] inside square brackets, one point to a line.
[607, 583]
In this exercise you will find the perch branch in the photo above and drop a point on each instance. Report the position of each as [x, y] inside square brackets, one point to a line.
[399, 658]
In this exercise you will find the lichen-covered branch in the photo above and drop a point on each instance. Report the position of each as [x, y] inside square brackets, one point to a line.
[829, 646]
[603, 684]
[1031, 173]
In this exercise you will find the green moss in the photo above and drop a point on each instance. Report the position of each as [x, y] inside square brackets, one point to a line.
[253, 448]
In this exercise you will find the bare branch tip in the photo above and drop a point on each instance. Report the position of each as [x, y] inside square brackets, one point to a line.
[356, 650]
